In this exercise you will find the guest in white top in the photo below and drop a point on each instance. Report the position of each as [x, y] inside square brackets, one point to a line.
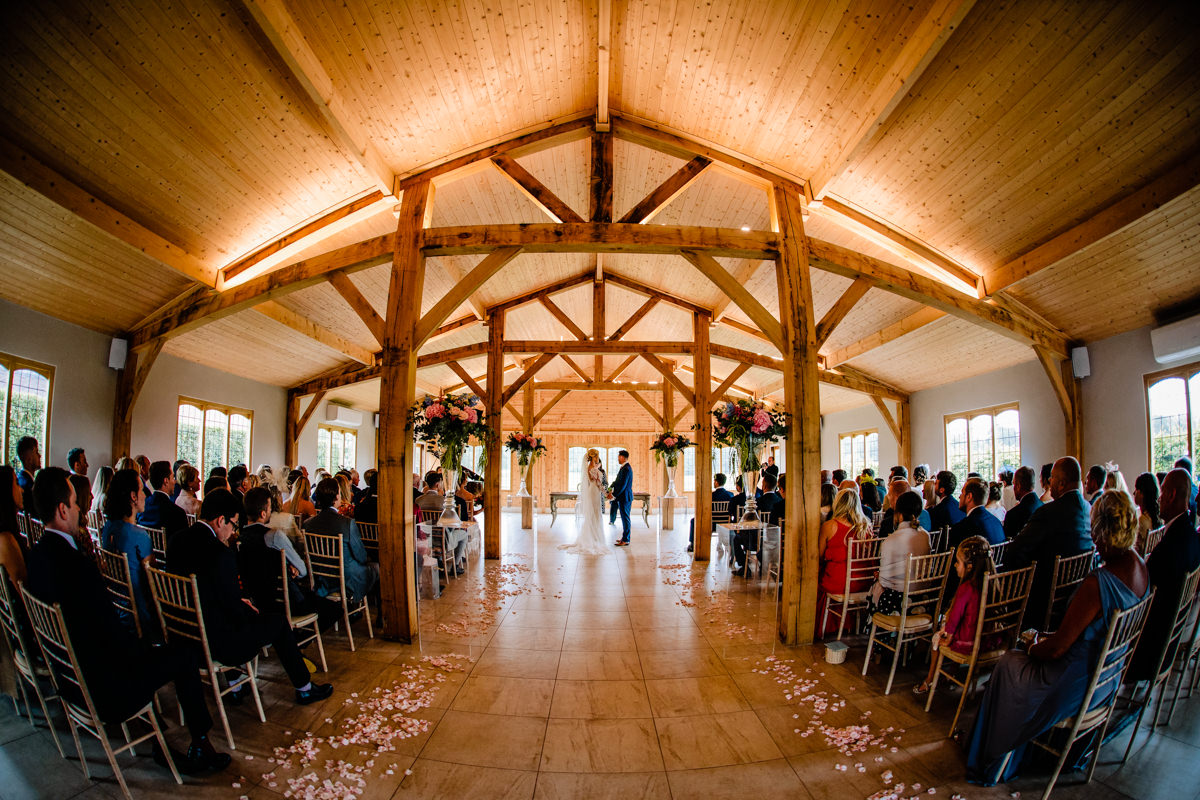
[909, 538]
[1047, 496]
[188, 479]
[1145, 496]
[994, 504]
[1008, 495]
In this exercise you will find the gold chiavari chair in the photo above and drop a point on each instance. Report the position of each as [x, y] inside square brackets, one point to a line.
[24, 653]
[924, 585]
[326, 561]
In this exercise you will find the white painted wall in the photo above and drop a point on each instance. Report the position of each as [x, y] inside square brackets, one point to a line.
[156, 412]
[1114, 402]
[81, 407]
[306, 450]
[857, 419]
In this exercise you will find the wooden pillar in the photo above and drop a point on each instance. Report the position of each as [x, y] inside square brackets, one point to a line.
[668, 414]
[800, 390]
[1067, 390]
[291, 431]
[495, 409]
[397, 393]
[598, 327]
[129, 385]
[904, 421]
[704, 433]
[527, 414]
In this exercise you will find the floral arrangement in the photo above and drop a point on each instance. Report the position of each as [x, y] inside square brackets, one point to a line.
[527, 447]
[669, 445]
[447, 424]
[747, 425]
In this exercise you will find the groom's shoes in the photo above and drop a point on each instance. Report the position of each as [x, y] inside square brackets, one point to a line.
[621, 543]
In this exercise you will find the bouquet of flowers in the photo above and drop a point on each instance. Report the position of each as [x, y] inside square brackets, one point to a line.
[527, 447]
[669, 445]
[447, 425]
[747, 425]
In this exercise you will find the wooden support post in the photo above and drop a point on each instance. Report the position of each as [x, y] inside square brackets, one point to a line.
[602, 177]
[495, 405]
[1067, 390]
[801, 557]
[527, 427]
[704, 437]
[904, 421]
[397, 392]
[598, 325]
[668, 506]
[291, 431]
[130, 381]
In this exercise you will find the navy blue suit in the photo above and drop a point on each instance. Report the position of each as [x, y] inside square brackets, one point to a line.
[719, 495]
[980, 522]
[945, 514]
[1019, 514]
[161, 512]
[1062, 527]
[25, 481]
[622, 492]
[1176, 555]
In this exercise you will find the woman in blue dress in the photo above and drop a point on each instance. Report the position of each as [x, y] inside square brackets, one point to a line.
[1031, 692]
[121, 534]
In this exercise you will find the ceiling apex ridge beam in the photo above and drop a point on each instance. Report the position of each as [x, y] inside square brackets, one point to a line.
[941, 19]
[603, 62]
[281, 30]
[538, 193]
[467, 285]
[662, 195]
[298, 322]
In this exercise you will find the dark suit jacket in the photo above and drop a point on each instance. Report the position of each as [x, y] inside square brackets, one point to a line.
[25, 481]
[1176, 555]
[980, 522]
[1019, 514]
[197, 551]
[723, 495]
[622, 488]
[259, 568]
[1059, 528]
[161, 512]
[771, 469]
[766, 504]
[366, 507]
[945, 514]
[354, 555]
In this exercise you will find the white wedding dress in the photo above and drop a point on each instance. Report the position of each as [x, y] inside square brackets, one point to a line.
[589, 512]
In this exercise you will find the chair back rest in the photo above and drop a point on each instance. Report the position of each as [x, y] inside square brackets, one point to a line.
[1002, 604]
[158, 544]
[999, 551]
[191, 519]
[720, 511]
[1152, 539]
[13, 631]
[283, 587]
[1186, 596]
[51, 632]
[23, 525]
[178, 601]
[95, 520]
[325, 557]
[862, 560]
[34, 530]
[1068, 573]
[369, 533]
[115, 569]
[430, 517]
[938, 539]
[876, 520]
[1124, 628]
[925, 581]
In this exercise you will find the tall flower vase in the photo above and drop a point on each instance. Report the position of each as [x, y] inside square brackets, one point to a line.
[525, 463]
[450, 465]
[750, 483]
[671, 464]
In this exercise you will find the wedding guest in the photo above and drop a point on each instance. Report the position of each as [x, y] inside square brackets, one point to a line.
[908, 539]
[738, 502]
[847, 523]
[769, 497]
[179, 462]
[77, 463]
[300, 506]
[366, 507]
[121, 534]
[1093, 485]
[187, 480]
[972, 561]
[994, 506]
[143, 467]
[1008, 495]
[839, 475]
[344, 504]
[100, 487]
[1115, 480]
[1145, 496]
[11, 555]
[160, 511]
[29, 454]
[869, 497]
[237, 480]
[826, 477]
[929, 493]
[977, 522]
[946, 512]
[1027, 502]
[362, 574]
[828, 492]
[920, 474]
[214, 483]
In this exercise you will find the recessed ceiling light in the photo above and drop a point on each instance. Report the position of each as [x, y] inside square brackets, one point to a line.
[745, 228]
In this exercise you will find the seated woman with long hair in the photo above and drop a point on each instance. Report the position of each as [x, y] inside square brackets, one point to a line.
[846, 523]
[100, 485]
[121, 534]
[300, 505]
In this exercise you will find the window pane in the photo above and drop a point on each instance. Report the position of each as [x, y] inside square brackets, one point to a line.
[1194, 394]
[505, 470]
[859, 453]
[574, 462]
[4, 405]
[689, 469]
[1168, 423]
[781, 456]
[216, 425]
[27, 411]
[350, 450]
[239, 439]
[981, 446]
[1008, 441]
[956, 448]
[187, 441]
[323, 448]
[872, 459]
[844, 442]
[336, 439]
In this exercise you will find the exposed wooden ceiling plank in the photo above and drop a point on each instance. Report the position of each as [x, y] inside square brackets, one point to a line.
[551, 403]
[881, 337]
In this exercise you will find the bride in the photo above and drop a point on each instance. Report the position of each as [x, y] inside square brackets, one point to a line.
[592, 539]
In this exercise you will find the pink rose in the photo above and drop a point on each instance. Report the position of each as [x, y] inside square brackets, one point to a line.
[669, 441]
[762, 421]
[472, 416]
[436, 410]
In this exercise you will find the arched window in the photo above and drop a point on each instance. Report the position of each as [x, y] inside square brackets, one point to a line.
[859, 450]
[210, 435]
[25, 390]
[1173, 415]
[986, 441]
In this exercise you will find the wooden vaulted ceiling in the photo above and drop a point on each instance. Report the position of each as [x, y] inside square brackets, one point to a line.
[1044, 152]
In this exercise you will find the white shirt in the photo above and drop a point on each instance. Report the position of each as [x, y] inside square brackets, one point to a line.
[1008, 498]
[908, 539]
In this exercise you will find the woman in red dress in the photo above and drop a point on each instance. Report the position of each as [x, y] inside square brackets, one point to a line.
[846, 522]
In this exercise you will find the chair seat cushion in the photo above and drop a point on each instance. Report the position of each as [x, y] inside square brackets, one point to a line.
[963, 658]
[304, 621]
[913, 623]
[855, 597]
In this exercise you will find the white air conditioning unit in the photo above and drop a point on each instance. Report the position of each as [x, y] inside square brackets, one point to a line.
[1176, 341]
[342, 415]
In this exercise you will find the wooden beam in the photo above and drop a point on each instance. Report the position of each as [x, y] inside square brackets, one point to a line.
[562, 317]
[517, 415]
[650, 291]
[882, 387]
[600, 237]
[551, 403]
[744, 390]
[634, 319]
[528, 412]
[671, 377]
[745, 357]
[544, 291]
[1062, 391]
[274, 19]
[358, 302]
[453, 354]
[291, 430]
[940, 19]
[654, 415]
[888, 334]
[303, 325]
[841, 308]
[55, 187]
[592, 347]
[603, 62]
[737, 372]
[704, 437]
[130, 380]
[679, 417]
[455, 276]
[737, 325]
[616, 373]
[602, 177]
[458, 294]
[339, 218]
[308, 412]
[491, 472]
[858, 383]
[886, 413]
[526, 376]
[662, 195]
[711, 269]
[345, 375]
[478, 379]
[599, 386]
[743, 275]
[468, 380]
[539, 193]
[580, 371]
[453, 325]
[598, 325]
[904, 421]
[285, 280]
[1174, 182]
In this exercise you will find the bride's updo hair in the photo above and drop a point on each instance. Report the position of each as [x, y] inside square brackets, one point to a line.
[593, 453]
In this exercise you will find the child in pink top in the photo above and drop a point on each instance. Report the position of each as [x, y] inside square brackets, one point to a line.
[972, 561]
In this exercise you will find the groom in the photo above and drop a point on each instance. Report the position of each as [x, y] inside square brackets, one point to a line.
[621, 495]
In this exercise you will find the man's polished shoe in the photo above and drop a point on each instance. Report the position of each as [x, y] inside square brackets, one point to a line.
[318, 692]
[200, 758]
[691, 547]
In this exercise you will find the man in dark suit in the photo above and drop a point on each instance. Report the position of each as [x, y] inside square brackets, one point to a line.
[1176, 555]
[30, 456]
[766, 506]
[366, 505]
[237, 480]
[769, 497]
[978, 520]
[719, 495]
[946, 513]
[1027, 502]
[1059, 528]
[160, 510]
[621, 495]
[779, 510]
[122, 672]
[236, 629]
[771, 468]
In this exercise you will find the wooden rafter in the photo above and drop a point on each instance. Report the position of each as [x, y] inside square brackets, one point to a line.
[551, 403]
[650, 291]
[468, 380]
[601, 208]
[517, 415]
[891, 333]
[859, 382]
[743, 275]
[711, 269]
[480, 379]
[592, 347]
[358, 302]
[603, 62]
[662, 195]
[308, 412]
[670, 375]
[539, 193]
[301, 324]
[598, 323]
[616, 373]
[601, 386]
[511, 391]
[886, 413]
[580, 371]
[600, 237]
[453, 325]
[730, 380]
[544, 291]
[654, 415]
[634, 319]
[459, 293]
[737, 325]
[841, 308]
[562, 317]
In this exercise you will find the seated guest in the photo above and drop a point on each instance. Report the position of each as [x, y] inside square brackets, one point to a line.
[908, 539]
[1059, 528]
[83, 494]
[972, 561]
[237, 480]
[1145, 496]
[300, 506]
[977, 522]
[1093, 485]
[143, 468]
[869, 498]
[371, 483]
[214, 483]
[847, 523]
[160, 511]
[737, 503]
[179, 462]
[826, 477]
[946, 513]
[1027, 502]
[1008, 495]
[929, 494]
[121, 535]
[344, 504]
[100, 487]
[892, 520]
[464, 500]
[828, 492]
[11, 555]
[1115, 480]
[434, 499]
[1030, 692]
[219, 472]
[779, 510]
[839, 475]
[30, 456]
[1175, 556]
[187, 481]
[920, 474]
[284, 524]
[236, 629]
[122, 673]
[993, 504]
[279, 524]
[362, 575]
[1044, 482]
[1185, 463]
[719, 494]
[77, 463]
[417, 488]
[768, 498]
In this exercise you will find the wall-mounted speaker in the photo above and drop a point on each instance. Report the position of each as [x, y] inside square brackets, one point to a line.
[1081, 364]
[118, 350]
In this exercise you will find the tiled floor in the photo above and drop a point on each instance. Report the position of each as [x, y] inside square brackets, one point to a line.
[626, 676]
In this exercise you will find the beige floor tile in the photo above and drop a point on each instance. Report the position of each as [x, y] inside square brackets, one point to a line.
[443, 691]
[586, 601]
[463, 782]
[535, 618]
[526, 697]
[598, 620]
[601, 786]
[762, 779]
[598, 640]
[658, 618]
[714, 740]
[512, 663]
[818, 773]
[681, 663]
[618, 665]
[642, 603]
[679, 697]
[677, 638]
[528, 638]
[487, 740]
[601, 745]
[599, 700]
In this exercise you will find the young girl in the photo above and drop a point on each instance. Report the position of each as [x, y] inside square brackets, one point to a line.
[972, 561]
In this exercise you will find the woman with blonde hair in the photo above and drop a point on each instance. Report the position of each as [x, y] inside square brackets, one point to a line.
[187, 478]
[345, 498]
[929, 493]
[846, 523]
[100, 484]
[300, 505]
[589, 509]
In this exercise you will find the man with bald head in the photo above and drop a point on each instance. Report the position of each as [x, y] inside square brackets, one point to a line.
[1061, 527]
[892, 520]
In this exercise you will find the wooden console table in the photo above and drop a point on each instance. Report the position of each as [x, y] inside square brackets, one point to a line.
[555, 497]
